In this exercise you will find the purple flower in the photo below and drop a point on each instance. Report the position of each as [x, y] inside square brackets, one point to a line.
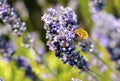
[106, 32]
[60, 26]
[6, 47]
[2, 6]
[11, 19]
[22, 63]
[1, 79]
[96, 5]
[86, 45]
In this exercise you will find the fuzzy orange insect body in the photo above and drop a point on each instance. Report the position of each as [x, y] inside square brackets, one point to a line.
[81, 33]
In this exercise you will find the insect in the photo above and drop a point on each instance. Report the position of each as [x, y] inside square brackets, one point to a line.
[81, 33]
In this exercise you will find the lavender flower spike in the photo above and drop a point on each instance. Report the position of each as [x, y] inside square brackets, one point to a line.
[60, 26]
[6, 47]
[2, 6]
[11, 19]
[22, 63]
[1, 79]
[107, 34]
[96, 5]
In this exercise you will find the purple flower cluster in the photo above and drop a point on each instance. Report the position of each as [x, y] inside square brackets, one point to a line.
[106, 30]
[7, 51]
[6, 47]
[11, 19]
[86, 45]
[96, 5]
[60, 26]
[1, 79]
[23, 64]
[2, 6]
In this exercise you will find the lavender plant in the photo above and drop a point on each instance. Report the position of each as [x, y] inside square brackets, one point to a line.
[11, 19]
[1, 79]
[96, 5]
[86, 46]
[60, 26]
[6, 46]
[22, 63]
[64, 36]
[107, 34]
[7, 52]
[2, 6]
